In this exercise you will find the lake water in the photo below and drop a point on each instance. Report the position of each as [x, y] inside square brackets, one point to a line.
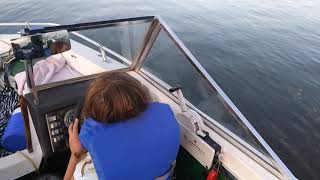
[264, 54]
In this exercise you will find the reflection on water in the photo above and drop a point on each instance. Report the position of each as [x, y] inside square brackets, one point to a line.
[264, 54]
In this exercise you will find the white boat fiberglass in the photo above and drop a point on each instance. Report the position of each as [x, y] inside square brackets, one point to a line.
[213, 131]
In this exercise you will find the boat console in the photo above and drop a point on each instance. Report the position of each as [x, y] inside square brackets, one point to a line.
[52, 117]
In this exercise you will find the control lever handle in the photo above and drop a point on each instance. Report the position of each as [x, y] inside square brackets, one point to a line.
[192, 116]
[181, 98]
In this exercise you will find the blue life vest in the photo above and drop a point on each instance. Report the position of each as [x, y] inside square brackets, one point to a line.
[14, 138]
[141, 148]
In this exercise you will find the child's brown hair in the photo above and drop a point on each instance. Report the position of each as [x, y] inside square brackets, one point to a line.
[60, 47]
[115, 96]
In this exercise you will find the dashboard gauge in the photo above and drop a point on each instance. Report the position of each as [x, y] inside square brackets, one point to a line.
[68, 117]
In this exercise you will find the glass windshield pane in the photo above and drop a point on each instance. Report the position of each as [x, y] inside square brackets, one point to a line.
[17, 28]
[10, 29]
[123, 40]
[166, 62]
[94, 51]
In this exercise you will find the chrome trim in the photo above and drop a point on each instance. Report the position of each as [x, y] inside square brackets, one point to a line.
[96, 25]
[104, 56]
[147, 44]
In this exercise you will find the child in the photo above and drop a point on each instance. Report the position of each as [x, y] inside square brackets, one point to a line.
[127, 136]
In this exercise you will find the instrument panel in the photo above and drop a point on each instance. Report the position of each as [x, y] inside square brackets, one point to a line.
[58, 123]
[56, 110]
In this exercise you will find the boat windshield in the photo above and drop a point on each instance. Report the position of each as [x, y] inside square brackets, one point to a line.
[145, 47]
[148, 46]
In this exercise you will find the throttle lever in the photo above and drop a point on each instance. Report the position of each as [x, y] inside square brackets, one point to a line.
[194, 121]
[181, 99]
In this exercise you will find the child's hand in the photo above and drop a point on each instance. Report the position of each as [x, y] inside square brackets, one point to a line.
[75, 146]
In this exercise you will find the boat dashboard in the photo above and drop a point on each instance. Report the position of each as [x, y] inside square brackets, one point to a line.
[60, 105]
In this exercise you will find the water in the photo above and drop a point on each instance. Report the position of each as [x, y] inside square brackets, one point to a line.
[264, 54]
